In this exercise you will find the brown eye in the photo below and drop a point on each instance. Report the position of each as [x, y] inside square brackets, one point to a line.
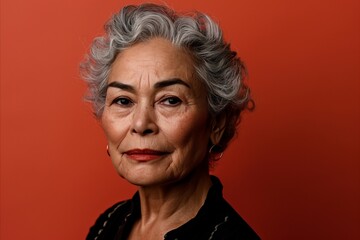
[172, 101]
[122, 101]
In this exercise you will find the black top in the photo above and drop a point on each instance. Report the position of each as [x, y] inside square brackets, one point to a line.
[215, 220]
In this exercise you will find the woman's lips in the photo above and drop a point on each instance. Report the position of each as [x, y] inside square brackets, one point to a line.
[144, 154]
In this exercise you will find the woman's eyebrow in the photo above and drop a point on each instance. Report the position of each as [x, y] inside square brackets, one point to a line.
[169, 82]
[122, 86]
[160, 84]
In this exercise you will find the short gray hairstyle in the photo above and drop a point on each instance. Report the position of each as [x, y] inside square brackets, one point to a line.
[216, 65]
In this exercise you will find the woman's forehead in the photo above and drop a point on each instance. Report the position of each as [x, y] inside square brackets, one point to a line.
[155, 51]
[156, 59]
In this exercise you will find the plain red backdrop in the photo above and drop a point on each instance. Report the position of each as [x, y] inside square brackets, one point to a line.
[293, 170]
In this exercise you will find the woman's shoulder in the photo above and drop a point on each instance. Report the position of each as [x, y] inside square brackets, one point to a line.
[237, 228]
[225, 221]
[109, 218]
[232, 226]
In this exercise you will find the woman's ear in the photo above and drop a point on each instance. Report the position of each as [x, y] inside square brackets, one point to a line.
[218, 129]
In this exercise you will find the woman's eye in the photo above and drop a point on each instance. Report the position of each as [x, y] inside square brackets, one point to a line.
[122, 101]
[171, 101]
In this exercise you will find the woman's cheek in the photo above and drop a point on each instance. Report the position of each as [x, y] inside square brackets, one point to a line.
[113, 126]
[186, 127]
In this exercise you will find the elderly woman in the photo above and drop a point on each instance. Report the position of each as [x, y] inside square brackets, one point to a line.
[168, 92]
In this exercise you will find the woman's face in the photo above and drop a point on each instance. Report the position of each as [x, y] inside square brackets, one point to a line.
[156, 114]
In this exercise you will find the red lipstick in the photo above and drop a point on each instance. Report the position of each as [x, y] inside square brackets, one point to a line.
[143, 155]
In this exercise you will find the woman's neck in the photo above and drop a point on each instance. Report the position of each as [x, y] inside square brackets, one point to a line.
[172, 205]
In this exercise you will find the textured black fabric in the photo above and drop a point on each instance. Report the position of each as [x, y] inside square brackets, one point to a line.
[216, 220]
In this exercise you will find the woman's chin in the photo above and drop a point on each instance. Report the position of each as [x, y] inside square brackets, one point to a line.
[144, 179]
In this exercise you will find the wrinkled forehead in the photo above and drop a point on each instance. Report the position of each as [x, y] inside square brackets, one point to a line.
[154, 60]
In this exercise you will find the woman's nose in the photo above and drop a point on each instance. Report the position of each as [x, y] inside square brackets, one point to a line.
[144, 121]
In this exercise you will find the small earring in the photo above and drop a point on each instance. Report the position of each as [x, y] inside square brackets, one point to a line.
[217, 156]
[107, 150]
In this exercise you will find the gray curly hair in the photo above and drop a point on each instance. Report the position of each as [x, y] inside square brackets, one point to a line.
[216, 65]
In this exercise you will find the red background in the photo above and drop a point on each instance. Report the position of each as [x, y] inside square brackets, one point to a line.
[292, 172]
